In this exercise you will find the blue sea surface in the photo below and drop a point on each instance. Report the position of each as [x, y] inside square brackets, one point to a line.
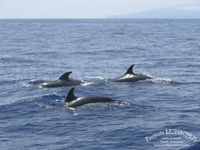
[161, 113]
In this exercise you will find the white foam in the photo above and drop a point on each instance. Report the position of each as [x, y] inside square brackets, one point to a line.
[88, 83]
[26, 85]
[98, 78]
[161, 80]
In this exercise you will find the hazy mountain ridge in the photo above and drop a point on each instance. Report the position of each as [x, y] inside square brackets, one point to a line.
[175, 12]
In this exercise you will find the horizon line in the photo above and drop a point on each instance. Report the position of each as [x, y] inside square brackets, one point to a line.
[89, 18]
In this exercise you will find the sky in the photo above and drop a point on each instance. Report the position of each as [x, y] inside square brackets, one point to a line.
[84, 8]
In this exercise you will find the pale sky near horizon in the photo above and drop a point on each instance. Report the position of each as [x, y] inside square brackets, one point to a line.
[85, 8]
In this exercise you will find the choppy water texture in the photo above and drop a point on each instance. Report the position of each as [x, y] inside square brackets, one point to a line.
[35, 51]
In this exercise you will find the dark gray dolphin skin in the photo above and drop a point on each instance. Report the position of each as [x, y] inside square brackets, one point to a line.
[129, 76]
[64, 80]
[73, 101]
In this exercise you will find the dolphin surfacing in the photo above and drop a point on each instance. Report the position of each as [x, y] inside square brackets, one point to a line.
[73, 101]
[64, 80]
[129, 76]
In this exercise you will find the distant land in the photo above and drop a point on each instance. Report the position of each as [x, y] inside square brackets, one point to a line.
[170, 13]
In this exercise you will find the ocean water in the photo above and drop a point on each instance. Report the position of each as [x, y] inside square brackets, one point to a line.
[162, 113]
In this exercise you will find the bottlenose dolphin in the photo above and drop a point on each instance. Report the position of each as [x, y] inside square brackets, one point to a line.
[73, 101]
[129, 76]
[64, 80]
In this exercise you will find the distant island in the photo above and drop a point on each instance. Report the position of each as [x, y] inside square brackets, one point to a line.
[168, 13]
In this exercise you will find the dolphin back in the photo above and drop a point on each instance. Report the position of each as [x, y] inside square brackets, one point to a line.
[73, 101]
[89, 100]
[130, 76]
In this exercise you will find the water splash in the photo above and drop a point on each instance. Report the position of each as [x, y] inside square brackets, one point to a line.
[163, 81]
[88, 83]
[97, 78]
[102, 107]
[32, 83]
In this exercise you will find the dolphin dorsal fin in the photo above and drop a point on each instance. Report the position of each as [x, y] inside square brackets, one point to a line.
[65, 76]
[70, 96]
[130, 70]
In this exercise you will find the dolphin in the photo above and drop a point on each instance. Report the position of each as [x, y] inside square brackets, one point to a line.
[64, 80]
[73, 101]
[129, 76]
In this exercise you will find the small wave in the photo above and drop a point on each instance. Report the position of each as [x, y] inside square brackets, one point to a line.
[95, 84]
[26, 85]
[32, 83]
[51, 96]
[118, 108]
[96, 81]
[88, 83]
[187, 83]
[49, 101]
[103, 106]
[35, 82]
[163, 81]
[98, 78]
